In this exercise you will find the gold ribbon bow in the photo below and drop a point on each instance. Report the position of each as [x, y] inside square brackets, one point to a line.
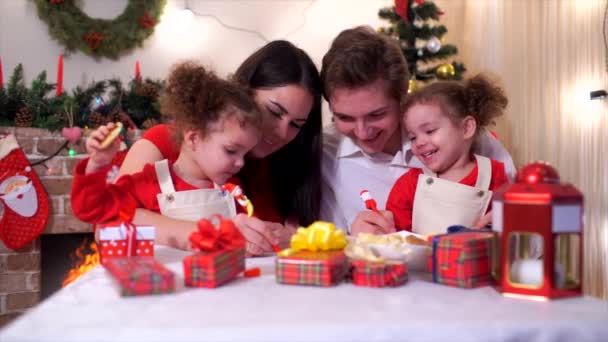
[319, 236]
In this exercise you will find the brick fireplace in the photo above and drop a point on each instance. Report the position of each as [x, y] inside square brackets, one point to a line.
[21, 283]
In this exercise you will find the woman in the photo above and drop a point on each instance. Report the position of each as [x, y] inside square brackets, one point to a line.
[282, 174]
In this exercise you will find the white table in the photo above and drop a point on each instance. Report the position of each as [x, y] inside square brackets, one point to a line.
[259, 309]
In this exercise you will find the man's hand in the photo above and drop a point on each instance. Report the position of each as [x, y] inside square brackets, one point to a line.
[373, 223]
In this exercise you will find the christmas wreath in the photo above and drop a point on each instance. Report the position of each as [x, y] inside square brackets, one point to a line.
[100, 37]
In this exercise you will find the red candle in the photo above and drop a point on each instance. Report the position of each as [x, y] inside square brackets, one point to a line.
[137, 71]
[1, 79]
[60, 76]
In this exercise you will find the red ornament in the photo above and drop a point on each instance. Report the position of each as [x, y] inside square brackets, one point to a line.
[56, 2]
[537, 173]
[420, 2]
[401, 7]
[146, 22]
[94, 39]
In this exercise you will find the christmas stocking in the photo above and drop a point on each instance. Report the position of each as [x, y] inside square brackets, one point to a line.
[24, 200]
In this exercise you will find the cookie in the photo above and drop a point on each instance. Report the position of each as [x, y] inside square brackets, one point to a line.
[114, 133]
[413, 240]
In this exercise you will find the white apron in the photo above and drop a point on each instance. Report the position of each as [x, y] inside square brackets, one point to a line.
[440, 203]
[191, 205]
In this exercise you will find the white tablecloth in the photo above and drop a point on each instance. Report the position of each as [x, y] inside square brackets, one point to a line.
[259, 309]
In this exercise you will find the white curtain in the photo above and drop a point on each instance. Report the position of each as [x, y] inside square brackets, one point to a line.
[549, 54]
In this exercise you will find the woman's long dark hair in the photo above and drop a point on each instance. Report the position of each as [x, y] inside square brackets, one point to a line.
[295, 169]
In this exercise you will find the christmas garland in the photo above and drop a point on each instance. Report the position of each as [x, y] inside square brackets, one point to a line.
[99, 37]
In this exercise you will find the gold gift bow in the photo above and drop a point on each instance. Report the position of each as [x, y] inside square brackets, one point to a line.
[319, 236]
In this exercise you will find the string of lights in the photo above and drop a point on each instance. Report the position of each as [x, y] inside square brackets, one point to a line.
[601, 93]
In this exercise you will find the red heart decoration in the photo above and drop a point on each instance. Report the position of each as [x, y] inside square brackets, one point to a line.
[72, 134]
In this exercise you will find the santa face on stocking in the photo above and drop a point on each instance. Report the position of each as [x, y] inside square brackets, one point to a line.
[25, 203]
[18, 193]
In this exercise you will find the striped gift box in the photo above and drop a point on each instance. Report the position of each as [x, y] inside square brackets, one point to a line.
[462, 259]
[321, 268]
[213, 269]
[378, 274]
[141, 275]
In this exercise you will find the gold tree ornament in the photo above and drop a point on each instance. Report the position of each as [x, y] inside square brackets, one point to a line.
[446, 71]
[74, 29]
[413, 86]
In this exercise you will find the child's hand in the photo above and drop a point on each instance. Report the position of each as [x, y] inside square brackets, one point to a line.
[99, 156]
[373, 223]
[484, 220]
[258, 235]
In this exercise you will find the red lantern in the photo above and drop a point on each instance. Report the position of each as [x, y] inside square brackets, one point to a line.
[540, 223]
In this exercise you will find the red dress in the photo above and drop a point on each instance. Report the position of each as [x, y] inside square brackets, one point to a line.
[259, 193]
[401, 198]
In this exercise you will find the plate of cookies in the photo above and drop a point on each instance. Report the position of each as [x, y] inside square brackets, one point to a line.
[396, 247]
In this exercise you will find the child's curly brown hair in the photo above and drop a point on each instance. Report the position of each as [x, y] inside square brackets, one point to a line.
[197, 99]
[478, 97]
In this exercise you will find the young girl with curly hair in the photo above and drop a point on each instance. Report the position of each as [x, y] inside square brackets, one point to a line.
[443, 121]
[217, 123]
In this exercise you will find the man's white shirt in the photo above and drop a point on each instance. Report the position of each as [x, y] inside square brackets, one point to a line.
[346, 170]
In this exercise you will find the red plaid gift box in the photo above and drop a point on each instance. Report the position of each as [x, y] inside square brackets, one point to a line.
[141, 275]
[462, 259]
[311, 268]
[213, 269]
[378, 274]
[114, 241]
[221, 253]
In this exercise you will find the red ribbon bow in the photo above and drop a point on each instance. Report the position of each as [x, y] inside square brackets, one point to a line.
[210, 238]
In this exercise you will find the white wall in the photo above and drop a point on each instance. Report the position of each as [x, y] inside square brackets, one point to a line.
[218, 36]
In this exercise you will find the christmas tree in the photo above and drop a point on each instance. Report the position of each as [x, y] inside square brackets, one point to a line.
[415, 23]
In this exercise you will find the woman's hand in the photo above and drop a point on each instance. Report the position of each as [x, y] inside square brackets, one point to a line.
[100, 157]
[373, 223]
[259, 234]
[282, 232]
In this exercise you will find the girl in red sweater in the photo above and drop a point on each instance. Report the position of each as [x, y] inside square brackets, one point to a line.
[442, 121]
[217, 122]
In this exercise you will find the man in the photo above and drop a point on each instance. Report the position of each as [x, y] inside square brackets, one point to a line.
[365, 80]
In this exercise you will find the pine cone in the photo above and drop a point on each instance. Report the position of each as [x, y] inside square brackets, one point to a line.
[96, 119]
[122, 117]
[149, 123]
[24, 118]
[148, 90]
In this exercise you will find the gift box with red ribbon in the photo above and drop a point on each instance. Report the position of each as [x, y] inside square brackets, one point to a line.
[125, 239]
[141, 275]
[315, 257]
[462, 258]
[378, 274]
[220, 254]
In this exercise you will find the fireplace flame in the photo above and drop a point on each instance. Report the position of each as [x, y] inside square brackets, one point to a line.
[86, 259]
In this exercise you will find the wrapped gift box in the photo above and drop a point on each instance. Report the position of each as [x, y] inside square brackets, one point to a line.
[462, 259]
[212, 269]
[320, 268]
[141, 275]
[113, 242]
[378, 274]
